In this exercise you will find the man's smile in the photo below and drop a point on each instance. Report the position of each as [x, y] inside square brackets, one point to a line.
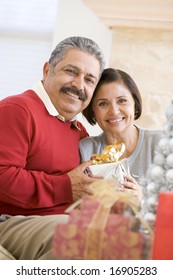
[71, 91]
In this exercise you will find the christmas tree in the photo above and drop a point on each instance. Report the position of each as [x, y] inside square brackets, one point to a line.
[160, 174]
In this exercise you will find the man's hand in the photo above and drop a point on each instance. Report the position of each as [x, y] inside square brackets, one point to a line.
[80, 181]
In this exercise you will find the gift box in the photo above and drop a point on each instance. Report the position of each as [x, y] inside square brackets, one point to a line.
[110, 170]
[96, 232]
[108, 164]
[163, 237]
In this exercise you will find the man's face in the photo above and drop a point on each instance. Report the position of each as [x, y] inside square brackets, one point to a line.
[72, 83]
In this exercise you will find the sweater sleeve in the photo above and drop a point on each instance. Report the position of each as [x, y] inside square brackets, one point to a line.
[19, 186]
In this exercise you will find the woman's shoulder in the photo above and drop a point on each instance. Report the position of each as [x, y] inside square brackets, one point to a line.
[92, 140]
[90, 145]
[151, 135]
[152, 132]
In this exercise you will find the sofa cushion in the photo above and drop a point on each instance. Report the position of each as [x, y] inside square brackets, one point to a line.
[4, 254]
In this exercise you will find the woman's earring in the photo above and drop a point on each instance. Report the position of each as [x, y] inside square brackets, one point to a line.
[136, 112]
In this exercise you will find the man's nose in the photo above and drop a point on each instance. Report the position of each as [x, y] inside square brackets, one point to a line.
[78, 83]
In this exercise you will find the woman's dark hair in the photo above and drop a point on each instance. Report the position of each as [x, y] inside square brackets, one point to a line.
[111, 75]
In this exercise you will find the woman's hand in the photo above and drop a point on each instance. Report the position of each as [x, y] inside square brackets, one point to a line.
[131, 184]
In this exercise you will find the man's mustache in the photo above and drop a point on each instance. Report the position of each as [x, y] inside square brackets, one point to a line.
[77, 92]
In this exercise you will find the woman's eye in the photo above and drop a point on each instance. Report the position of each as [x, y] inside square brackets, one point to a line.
[103, 104]
[122, 101]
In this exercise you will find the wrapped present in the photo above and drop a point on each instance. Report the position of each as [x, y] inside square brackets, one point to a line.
[108, 164]
[96, 232]
[163, 237]
[111, 170]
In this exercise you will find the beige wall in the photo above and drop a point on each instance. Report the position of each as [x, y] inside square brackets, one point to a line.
[147, 55]
[78, 20]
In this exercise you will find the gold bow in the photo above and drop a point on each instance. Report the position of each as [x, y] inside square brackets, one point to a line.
[111, 153]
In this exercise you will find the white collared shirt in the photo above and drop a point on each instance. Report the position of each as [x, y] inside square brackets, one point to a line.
[40, 91]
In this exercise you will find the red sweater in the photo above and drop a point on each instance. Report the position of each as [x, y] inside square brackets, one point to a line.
[36, 152]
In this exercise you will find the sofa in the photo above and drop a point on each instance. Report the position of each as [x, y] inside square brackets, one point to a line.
[4, 254]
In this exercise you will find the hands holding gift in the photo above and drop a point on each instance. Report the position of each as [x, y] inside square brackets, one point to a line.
[118, 173]
[80, 181]
[130, 183]
[119, 169]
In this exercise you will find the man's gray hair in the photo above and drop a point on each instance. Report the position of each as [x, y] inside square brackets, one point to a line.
[84, 44]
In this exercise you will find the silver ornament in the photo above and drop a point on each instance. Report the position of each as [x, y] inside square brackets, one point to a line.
[159, 159]
[169, 176]
[157, 173]
[163, 146]
[169, 160]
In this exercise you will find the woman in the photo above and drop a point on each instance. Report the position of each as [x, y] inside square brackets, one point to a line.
[115, 106]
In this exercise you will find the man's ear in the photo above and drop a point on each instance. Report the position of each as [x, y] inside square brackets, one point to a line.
[46, 69]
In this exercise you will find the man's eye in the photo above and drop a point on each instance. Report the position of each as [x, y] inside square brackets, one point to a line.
[91, 81]
[71, 71]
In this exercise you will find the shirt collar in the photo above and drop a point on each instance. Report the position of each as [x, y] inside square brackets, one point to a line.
[40, 91]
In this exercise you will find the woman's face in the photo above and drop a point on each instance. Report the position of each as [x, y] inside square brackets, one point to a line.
[114, 107]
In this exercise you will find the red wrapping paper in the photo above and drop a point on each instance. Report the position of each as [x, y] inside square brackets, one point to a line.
[93, 232]
[163, 237]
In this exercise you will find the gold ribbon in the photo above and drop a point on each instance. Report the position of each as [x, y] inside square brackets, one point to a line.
[111, 153]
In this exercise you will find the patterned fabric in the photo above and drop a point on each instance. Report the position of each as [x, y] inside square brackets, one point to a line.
[95, 233]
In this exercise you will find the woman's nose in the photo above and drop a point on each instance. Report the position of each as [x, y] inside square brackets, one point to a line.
[114, 108]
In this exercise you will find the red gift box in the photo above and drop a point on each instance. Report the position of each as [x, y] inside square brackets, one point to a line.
[163, 237]
[94, 232]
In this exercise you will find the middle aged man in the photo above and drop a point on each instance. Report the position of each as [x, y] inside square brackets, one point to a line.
[40, 175]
